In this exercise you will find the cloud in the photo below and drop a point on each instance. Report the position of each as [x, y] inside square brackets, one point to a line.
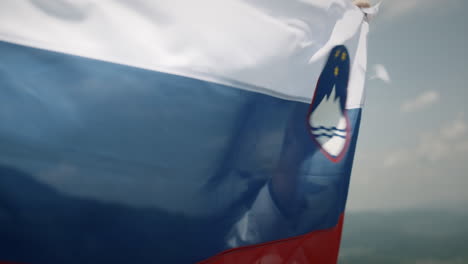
[426, 170]
[450, 140]
[380, 73]
[422, 101]
[457, 129]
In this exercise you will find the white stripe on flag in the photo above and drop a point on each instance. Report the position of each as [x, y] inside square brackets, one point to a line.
[252, 45]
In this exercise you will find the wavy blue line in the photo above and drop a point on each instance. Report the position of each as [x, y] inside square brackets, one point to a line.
[329, 136]
[328, 129]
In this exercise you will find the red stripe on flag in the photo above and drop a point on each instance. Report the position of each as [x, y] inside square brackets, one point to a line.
[316, 247]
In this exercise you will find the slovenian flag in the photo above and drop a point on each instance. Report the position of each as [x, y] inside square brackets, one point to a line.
[170, 131]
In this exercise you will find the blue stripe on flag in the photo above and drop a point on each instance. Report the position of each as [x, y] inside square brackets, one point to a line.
[124, 165]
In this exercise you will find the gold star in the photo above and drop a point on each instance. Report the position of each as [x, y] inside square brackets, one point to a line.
[337, 71]
[337, 53]
[343, 56]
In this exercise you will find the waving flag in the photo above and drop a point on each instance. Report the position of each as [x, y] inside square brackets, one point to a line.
[177, 131]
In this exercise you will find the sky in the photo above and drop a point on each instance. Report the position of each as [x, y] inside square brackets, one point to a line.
[413, 144]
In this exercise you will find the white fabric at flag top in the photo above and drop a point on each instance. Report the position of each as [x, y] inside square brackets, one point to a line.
[274, 47]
